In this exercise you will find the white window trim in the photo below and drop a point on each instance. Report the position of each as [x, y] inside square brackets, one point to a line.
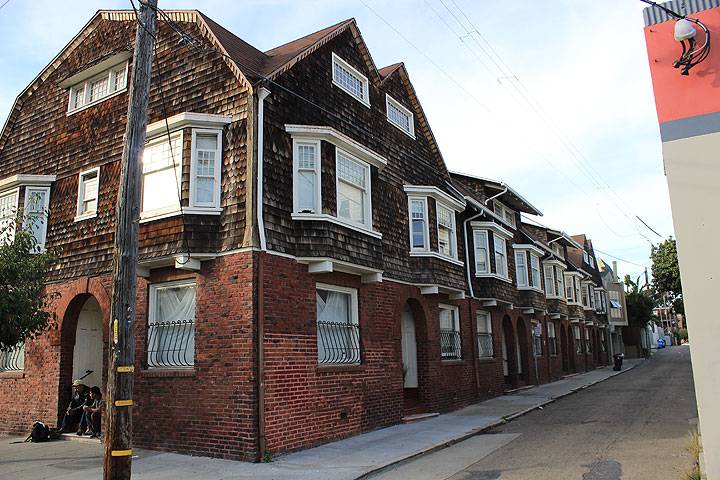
[390, 100]
[485, 314]
[438, 256]
[354, 315]
[505, 209]
[456, 310]
[324, 217]
[549, 293]
[159, 213]
[507, 263]
[46, 210]
[426, 233]
[521, 282]
[535, 259]
[488, 269]
[318, 196]
[453, 236]
[13, 192]
[368, 224]
[86, 85]
[78, 216]
[215, 204]
[366, 84]
[152, 302]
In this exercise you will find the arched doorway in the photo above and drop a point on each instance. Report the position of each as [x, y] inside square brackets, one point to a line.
[88, 349]
[409, 349]
[571, 349]
[522, 349]
[509, 352]
[412, 329]
[564, 349]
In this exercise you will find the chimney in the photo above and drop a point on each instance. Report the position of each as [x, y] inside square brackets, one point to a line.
[615, 271]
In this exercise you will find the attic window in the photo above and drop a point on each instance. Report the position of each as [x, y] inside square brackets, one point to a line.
[350, 80]
[399, 116]
[97, 88]
[505, 213]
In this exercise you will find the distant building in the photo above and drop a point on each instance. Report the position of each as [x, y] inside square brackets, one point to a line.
[617, 308]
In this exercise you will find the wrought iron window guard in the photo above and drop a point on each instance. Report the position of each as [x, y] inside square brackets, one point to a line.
[171, 344]
[12, 360]
[552, 345]
[338, 343]
[485, 345]
[450, 344]
[537, 345]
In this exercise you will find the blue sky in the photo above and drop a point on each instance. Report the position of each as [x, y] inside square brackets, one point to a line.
[577, 135]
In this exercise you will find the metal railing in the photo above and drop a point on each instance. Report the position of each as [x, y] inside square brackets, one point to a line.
[588, 346]
[171, 344]
[338, 343]
[450, 344]
[13, 360]
[485, 345]
[552, 345]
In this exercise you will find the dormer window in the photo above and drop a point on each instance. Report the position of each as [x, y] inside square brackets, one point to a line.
[507, 215]
[400, 116]
[350, 80]
[97, 88]
[557, 249]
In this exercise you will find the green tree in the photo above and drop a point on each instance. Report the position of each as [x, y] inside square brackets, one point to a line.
[23, 302]
[666, 274]
[640, 303]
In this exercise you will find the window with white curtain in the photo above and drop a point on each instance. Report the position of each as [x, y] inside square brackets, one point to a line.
[35, 213]
[550, 286]
[419, 241]
[338, 332]
[501, 263]
[353, 190]
[484, 334]
[552, 338]
[482, 256]
[307, 176]
[521, 270]
[8, 215]
[578, 340]
[171, 325]
[450, 343]
[447, 242]
[535, 271]
[88, 191]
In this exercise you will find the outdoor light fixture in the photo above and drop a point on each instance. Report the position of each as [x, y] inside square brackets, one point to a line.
[685, 33]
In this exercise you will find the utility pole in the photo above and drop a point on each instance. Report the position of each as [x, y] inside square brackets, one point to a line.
[118, 437]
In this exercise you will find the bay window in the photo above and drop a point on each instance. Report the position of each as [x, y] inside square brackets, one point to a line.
[447, 240]
[550, 285]
[37, 202]
[482, 257]
[419, 233]
[569, 289]
[500, 246]
[521, 271]
[353, 190]
[306, 184]
[205, 165]
[162, 176]
[535, 271]
[8, 215]
[576, 284]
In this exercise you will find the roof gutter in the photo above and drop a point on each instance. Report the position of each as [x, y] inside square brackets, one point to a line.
[499, 194]
[262, 94]
[467, 251]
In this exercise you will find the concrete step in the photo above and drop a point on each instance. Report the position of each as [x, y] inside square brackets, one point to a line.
[419, 417]
[84, 439]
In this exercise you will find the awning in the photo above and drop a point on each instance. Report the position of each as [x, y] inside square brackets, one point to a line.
[615, 304]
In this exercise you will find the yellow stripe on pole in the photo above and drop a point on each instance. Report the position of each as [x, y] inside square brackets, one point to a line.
[121, 453]
[123, 403]
[128, 369]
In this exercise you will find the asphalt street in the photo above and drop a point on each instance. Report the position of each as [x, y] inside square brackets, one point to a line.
[633, 426]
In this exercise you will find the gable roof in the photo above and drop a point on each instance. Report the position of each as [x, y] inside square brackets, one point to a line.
[508, 196]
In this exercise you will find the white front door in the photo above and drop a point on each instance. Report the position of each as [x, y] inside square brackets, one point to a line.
[409, 349]
[506, 370]
[88, 351]
[519, 355]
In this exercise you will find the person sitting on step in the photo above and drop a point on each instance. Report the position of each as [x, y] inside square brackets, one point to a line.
[74, 413]
[92, 414]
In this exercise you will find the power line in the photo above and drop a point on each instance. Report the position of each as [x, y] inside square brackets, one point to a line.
[4, 3]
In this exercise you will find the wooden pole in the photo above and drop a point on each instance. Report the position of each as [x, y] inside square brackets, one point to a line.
[118, 437]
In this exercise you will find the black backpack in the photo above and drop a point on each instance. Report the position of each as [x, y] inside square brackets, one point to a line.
[39, 433]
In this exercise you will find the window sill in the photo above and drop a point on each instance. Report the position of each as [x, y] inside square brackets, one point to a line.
[98, 101]
[530, 289]
[147, 217]
[493, 275]
[324, 217]
[555, 297]
[340, 368]
[13, 374]
[439, 256]
[486, 359]
[85, 216]
[410, 134]
[168, 372]
[453, 362]
[361, 100]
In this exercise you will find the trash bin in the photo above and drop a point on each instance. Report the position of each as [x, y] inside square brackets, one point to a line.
[618, 359]
[661, 343]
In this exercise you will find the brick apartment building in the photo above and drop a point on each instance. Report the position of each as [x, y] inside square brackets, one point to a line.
[309, 269]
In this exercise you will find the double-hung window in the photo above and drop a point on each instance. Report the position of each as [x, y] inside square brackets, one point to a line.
[350, 80]
[576, 283]
[599, 301]
[8, 215]
[353, 190]
[482, 256]
[501, 266]
[205, 165]
[484, 334]
[521, 269]
[584, 295]
[504, 212]
[37, 201]
[585, 257]
[338, 330]
[419, 241]
[537, 339]
[550, 285]
[552, 338]
[450, 343]
[560, 278]
[578, 340]
[557, 250]
[162, 176]
[569, 289]
[307, 176]
[535, 271]
[88, 188]
[97, 88]
[447, 241]
[588, 343]
[399, 116]
[171, 325]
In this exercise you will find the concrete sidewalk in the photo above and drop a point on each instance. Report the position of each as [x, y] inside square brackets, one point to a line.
[351, 458]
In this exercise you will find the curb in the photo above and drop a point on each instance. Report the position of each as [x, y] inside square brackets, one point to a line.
[505, 419]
